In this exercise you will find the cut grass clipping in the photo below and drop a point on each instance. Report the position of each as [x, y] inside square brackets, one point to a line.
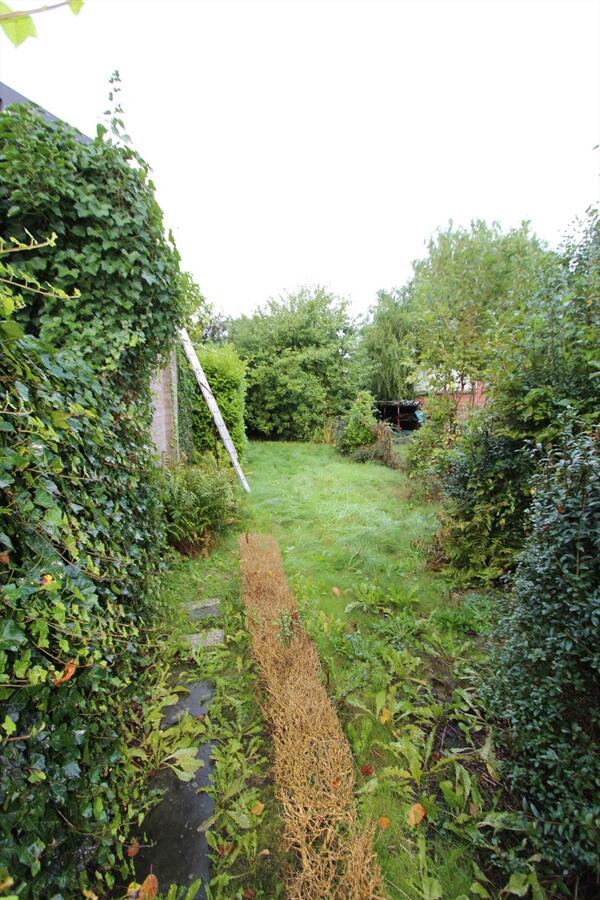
[314, 774]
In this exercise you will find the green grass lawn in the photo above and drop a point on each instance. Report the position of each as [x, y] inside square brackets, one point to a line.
[397, 646]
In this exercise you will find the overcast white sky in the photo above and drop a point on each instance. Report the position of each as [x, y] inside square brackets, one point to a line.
[322, 141]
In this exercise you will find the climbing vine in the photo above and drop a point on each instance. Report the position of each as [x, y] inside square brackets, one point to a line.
[97, 196]
[85, 317]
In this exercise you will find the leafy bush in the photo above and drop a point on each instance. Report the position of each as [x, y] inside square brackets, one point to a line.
[429, 445]
[359, 426]
[545, 672]
[300, 369]
[99, 199]
[486, 479]
[81, 538]
[381, 450]
[544, 374]
[199, 502]
[225, 373]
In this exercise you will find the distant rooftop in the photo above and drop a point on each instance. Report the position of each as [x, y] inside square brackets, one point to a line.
[9, 97]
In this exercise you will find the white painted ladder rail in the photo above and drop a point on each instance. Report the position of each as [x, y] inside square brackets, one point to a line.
[212, 404]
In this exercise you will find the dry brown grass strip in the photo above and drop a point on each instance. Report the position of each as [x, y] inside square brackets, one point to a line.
[314, 773]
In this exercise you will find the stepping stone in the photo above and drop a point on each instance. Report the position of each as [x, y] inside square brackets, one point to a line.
[212, 637]
[180, 852]
[194, 702]
[202, 609]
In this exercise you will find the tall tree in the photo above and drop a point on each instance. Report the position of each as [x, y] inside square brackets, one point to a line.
[472, 279]
[299, 350]
[389, 347]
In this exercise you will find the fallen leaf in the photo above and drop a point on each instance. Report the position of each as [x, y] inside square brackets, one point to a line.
[149, 888]
[67, 673]
[473, 809]
[89, 895]
[7, 883]
[5, 557]
[416, 814]
[366, 770]
[384, 822]
[336, 783]
[248, 893]
[336, 591]
[224, 849]
[257, 809]
[133, 849]
[46, 579]
[265, 852]
[385, 716]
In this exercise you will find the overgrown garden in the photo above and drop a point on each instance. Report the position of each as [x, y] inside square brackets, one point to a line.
[452, 590]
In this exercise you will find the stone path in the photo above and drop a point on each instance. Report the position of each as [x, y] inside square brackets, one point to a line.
[179, 852]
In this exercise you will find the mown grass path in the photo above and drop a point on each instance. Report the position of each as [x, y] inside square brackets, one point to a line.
[395, 644]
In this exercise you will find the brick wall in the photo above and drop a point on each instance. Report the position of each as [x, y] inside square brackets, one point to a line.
[164, 406]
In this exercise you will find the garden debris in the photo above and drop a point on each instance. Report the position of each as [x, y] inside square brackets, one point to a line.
[313, 767]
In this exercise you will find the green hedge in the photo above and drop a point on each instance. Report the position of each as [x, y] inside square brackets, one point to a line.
[226, 375]
[545, 667]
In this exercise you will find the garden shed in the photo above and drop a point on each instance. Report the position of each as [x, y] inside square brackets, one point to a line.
[403, 414]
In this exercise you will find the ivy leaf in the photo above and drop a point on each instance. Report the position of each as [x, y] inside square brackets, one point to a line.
[18, 28]
[149, 888]
[67, 673]
[11, 636]
[9, 726]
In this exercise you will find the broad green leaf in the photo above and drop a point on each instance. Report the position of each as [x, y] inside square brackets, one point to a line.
[75, 6]
[518, 884]
[239, 818]
[478, 890]
[18, 29]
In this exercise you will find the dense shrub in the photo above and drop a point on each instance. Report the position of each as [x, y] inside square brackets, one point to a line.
[99, 199]
[358, 426]
[225, 373]
[486, 480]
[544, 373]
[81, 538]
[428, 446]
[545, 680]
[300, 368]
[381, 450]
[200, 501]
[285, 400]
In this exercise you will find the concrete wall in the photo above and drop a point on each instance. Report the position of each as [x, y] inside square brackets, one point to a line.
[164, 405]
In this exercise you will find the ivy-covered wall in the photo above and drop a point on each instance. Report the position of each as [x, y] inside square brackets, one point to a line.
[81, 524]
[111, 246]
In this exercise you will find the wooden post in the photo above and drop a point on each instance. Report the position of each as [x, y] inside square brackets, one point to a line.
[208, 395]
